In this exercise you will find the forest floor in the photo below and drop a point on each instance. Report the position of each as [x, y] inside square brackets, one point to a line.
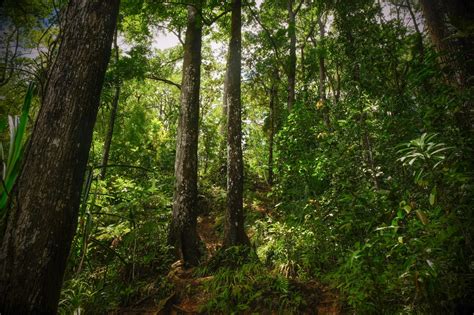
[189, 294]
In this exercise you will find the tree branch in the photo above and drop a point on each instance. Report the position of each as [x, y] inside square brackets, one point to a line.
[153, 77]
[298, 7]
[215, 18]
[269, 35]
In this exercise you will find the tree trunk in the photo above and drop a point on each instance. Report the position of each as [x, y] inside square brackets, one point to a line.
[110, 132]
[223, 143]
[273, 102]
[183, 234]
[304, 80]
[435, 22]
[455, 51]
[42, 217]
[456, 54]
[234, 232]
[365, 137]
[322, 75]
[113, 116]
[461, 16]
[292, 56]
[322, 68]
[419, 35]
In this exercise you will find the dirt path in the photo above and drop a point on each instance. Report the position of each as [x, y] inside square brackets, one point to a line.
[207, 234]
[189, 294]
[189, 289]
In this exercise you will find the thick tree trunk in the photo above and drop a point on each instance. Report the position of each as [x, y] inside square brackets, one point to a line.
[435, 21]
[461, 16]
[183, 234]
[456, 52]
[234, 232]
[43, 214]
[113, 116]
[292, 55]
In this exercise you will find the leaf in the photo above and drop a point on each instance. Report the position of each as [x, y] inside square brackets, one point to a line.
[422, 216]
[16, 149]
[386, 227]
[433, 196]
[407, 208]
[400, 214]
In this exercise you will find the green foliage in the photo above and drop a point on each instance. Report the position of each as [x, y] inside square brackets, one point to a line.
[248, 286]
[286, 247]
[73, 296]
[372, 191]
[298, 141]
[385, 223]
[120, 251]
[12, 164]
[423, 153]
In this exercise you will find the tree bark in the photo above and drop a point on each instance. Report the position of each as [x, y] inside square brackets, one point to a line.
[113, 116]
[183, 234]
[42, 217]
[435, 22]
[234, 232]
[456, 52]
[461, 16]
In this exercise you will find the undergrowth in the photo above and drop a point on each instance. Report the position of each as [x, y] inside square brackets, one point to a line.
[242, 283]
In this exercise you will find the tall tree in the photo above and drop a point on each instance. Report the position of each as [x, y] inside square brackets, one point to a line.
[272, 117]
[183, 234]
[291, 71]
[453, 38]
[113, 115]
[322, 73]
[435, 20]
[234, 232]
[43, 212]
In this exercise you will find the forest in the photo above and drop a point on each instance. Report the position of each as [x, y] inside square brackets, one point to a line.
[236, 157]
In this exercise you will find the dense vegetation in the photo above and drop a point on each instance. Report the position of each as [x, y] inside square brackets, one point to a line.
[287, 152]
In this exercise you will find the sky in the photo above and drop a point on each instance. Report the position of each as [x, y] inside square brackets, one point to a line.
[164, 40]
